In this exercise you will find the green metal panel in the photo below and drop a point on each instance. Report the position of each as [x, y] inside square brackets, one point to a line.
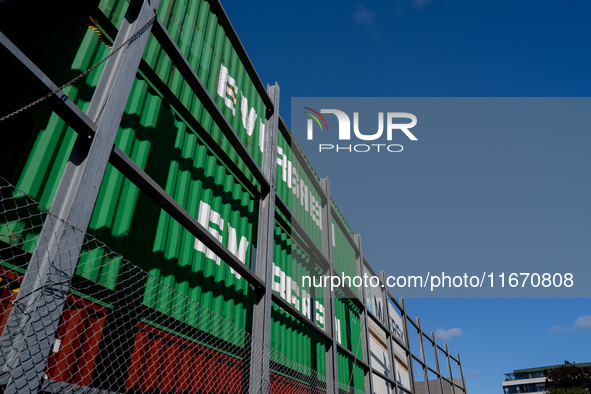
[173, 155]
[114, 10]
[297, 191]
[340, 215]
[296, 342]
[203, 41]
[51, 142]
[288, 336]
[343, 255]
[36, 165]
[348, 325]
[350, 373]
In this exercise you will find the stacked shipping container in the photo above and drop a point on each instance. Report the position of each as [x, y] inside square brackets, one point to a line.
[169, 131]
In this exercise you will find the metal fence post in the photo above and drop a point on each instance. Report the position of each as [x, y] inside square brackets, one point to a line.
[330, 317]
[437, 361]
[261, 330]
[451, 375]
[407, 341]
[391, 356]
[462, 373]
[422, 345]
[364, 324]
[31, 326]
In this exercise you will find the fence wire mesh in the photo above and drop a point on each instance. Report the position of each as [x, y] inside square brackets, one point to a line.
[343, 388]
[107, 326]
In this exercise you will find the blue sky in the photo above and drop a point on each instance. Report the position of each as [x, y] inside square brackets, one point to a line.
[453, 48]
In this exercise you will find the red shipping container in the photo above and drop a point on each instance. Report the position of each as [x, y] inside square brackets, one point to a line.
[181, 367]
[169, 368]
[152, 369]
[185, 372]
[136, 366]
[90, 348]
[67, 345]
[78, 337]
[222, 374]
[9, 286]
[273, 385]
[7, 298]
[210, 375]
[198, 382]
[235, 378]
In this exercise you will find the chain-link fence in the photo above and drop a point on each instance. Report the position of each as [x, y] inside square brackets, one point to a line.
[117, 327]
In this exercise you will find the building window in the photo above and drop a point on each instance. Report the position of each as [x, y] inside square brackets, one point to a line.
[541, 386]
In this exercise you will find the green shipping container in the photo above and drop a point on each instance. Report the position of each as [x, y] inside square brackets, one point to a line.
[288, 336]
[343, 255]
[348, 325]
[203, 41]
[350, 374]
[173, 154]
[34, 157]
[337, 211]
[297, 191]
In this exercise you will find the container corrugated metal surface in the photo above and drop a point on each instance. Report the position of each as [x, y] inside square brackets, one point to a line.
[343, 254]
[395, 324]
[179, 366]
[75, 349]
[74, 352]
[114, 10]
[175, 158]
[292, 266]
[348, 325]
[374, 301]
[36, 165]
[336, 209]
[208, 49]
[10, 282]
[380, 361]
[350, 374]
[400, 356]
[296, 342]
[380, 386]
[402, 374]
[280, 384]
[288, 336]
[19, 228]
[297, 191]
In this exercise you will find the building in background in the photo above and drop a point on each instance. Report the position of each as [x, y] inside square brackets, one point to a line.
[164, 216]
[531, 380]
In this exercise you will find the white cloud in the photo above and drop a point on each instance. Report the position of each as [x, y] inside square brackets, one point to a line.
[446, 335]
[558, 328]
[473, 374]
[363, 16]
[581, 323]
[421, 3]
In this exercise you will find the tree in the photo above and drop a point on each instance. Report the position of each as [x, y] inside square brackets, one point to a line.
[568, 377]
[567, 391]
